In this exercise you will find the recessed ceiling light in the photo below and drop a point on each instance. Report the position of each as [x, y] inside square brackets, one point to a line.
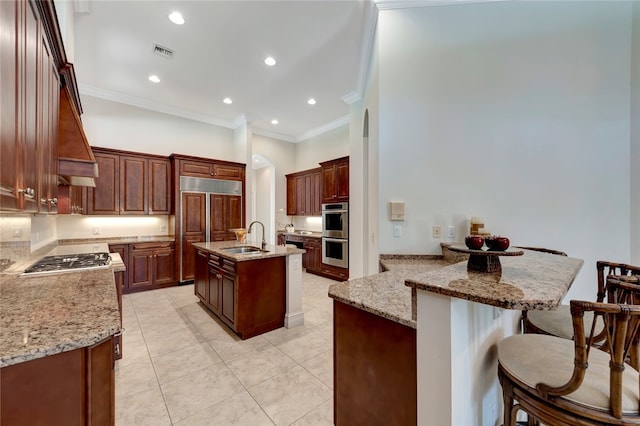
[154, 78]
[270, 61]
[311, 101]
[274, 121]
[176, 18]
[227, 101]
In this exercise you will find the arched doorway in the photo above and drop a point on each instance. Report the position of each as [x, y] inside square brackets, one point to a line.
[263, 196]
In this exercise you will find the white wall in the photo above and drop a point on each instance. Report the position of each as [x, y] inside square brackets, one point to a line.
[327, 146]
[263, 205]
[635, 137]
[517, 112]
[114, 125]
[282, 155]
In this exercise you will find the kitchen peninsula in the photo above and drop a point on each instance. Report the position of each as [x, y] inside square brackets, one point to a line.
[251, 290]
[451, 319]
[57, 348]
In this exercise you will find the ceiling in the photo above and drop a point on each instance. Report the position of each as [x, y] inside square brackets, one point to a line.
[321, 49]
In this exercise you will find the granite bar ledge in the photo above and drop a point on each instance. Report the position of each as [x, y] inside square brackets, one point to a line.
[534, 280]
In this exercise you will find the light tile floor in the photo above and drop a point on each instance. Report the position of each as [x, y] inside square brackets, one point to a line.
[183, 367]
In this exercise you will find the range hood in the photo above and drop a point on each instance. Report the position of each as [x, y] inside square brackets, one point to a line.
[76, 163]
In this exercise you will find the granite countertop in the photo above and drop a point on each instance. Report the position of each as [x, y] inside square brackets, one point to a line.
[302, 233]
[534, 280]
[385, 294]
[271, 251]
[48, 314]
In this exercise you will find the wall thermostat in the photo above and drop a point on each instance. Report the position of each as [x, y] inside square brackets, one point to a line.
[396, 210]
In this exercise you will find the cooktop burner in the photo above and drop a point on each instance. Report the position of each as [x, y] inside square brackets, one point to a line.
[69, 262]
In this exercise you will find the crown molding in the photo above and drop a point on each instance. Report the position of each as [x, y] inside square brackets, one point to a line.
[324, 129]
[407, 4]
[273, 135]
[150, 105]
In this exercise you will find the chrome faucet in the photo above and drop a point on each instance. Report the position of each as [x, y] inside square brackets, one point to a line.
[264, 243]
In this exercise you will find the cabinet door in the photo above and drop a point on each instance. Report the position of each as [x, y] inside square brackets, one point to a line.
[196, 168]
[328, 184]
[215, 288]
[104, 199]
[228, 172]
[300, 195]
[8, 106]
[121, 277]
[228, 297]
[28, 101]
[342, 181]
[133, 185]
[140, 269]
[291, 196]
[159, 186]
[316, 194]
[201, 280]
[233, 213]
[193, 230]
[225, 213]
[164, 272]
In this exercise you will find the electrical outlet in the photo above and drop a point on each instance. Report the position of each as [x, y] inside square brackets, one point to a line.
[163, 228]
[451, 232]
[437, 231]
[397, 231]
[96, 230]
[17, 232]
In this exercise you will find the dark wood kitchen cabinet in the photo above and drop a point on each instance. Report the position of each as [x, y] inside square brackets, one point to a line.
[248, 296]
[130, 184]
[312, 259]
[304, 193]
[71, 199]
[76, 387]
[225, 214]
[212, 169]
[151, 265]
[335, 180]
[30, 87]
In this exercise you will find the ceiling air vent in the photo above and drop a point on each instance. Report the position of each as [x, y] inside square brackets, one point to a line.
[165, 52]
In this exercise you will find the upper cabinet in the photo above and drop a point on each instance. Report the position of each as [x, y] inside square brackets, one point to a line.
[130, 184]
[211, 169]
[30, 86]
[335, 180]
[304, 193]
[34, 76]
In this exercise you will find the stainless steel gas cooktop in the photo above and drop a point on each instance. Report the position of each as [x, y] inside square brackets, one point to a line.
[65, 263]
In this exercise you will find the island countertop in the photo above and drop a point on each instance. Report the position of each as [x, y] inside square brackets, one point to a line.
[48, 314]
[385, 294]
[271, 251]
[534, 280]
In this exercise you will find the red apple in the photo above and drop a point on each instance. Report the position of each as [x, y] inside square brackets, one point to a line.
[496, 242]
[474, 242]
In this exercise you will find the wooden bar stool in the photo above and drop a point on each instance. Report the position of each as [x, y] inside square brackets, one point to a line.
[557, 381]
[558, 322]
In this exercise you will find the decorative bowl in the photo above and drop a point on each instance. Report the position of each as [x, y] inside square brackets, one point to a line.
[474, 242]
[497, 243]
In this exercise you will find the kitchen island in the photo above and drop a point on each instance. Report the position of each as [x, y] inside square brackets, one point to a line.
[457, 319]
[57, 348]
[252, 291]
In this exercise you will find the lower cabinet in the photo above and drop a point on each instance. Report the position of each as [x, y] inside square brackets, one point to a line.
[248, 296]
[334, 272]
[312, 259]
[120, 278]
[76, 387]
[151, 265]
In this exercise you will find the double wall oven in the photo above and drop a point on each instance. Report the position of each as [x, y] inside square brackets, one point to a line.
[335, 234]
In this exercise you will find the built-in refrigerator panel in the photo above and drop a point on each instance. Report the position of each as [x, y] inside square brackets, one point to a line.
[198, 198]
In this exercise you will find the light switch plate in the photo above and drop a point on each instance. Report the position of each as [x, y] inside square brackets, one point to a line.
[437, 231]
[397, 231]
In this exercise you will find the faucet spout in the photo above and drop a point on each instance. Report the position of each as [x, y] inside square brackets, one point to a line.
[264, 243]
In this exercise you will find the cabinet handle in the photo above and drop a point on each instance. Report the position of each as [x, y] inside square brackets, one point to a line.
[29, 192]
[218, 276]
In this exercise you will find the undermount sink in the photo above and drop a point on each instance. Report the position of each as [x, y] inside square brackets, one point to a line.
[242, 250]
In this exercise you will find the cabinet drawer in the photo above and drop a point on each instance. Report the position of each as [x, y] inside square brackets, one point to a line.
[152, 246]
[229, 266]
